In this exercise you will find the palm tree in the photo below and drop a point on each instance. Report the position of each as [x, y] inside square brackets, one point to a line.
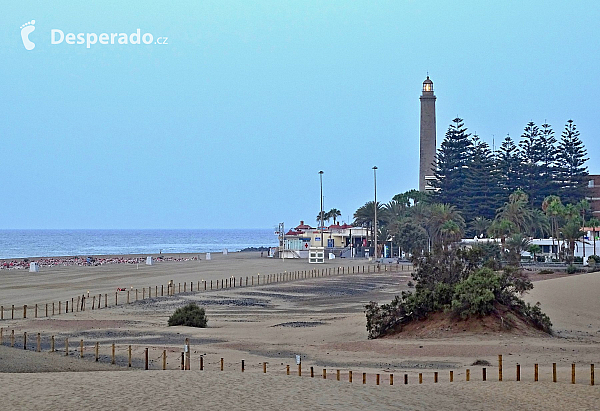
[480, 225]
[572, 232]
[450, 232]
[516, 244]
[501, 228]
[594, 223]
[517, 211]
[326, 218]
[534, 249]
[439, 214]
[554, 211]
[365, 215]
[334, 213]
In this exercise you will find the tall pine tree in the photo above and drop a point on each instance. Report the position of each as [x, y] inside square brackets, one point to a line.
[452, 164]
[573, 172]
[547, 145]
[509, 167]
[482, 183]
[530, 158]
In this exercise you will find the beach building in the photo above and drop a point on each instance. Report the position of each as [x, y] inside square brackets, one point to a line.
[594, 194]
[345, 240]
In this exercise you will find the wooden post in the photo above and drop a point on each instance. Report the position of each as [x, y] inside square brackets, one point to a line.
[499, 367]
[211, 282]
[337, 375]
[349, 376]
[39, 342]
[201, 363]
[324, 373]
[451, 376]
[573, 373]
[535, 372]
[553, 372]
[391, 379]
[420, 378]
[287, 370]
[468, 376]
[243, 366]
[127, 297]
[25, 311]
[377, 379]
[312, 372]
[405, 379]
[81, 348]
[299, 370]
[97, 351]
[116, 298]
[164, 357]
[94, 300]
[182, 360]
[72, 303]
[143, 293]
[179, 290]
[146, 358]
[2, 312]
[364, 377]
[53, 307]
[188, 354]
[162, 290]
[129, 356]
[113, 359]
[185, 287]
[221, 364]
[12, 315]
[591, 374]
[484, 374]
[24, 340]
[12, 338]
[105, 300]
[67, 307]
[435, 376]
[264, 367]
[518, 372]
[35, 312]
[78, 302]
[52, 344]
[66, 347]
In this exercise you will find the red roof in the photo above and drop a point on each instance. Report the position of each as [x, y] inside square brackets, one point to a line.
[303, 226]
[291, 232]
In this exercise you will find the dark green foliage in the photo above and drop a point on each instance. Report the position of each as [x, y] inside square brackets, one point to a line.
[190, 315]
[412, 238]
[571, 158]
[571, 269]
[457, 281]
[452, 161]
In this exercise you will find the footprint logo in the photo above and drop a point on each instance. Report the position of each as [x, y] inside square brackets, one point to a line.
[26, 30]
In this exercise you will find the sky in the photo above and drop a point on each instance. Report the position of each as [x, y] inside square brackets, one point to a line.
[228, 124]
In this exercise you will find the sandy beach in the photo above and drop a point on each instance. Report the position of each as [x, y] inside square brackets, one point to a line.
[319, 318]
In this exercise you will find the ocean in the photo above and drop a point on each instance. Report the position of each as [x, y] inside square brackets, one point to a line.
[51, 243]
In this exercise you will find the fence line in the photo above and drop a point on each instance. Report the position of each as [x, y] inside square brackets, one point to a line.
[83, 302]
[155, 357]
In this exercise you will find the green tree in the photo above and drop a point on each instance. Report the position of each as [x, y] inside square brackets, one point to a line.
[412, 238]
[481, 183]
[517, 211]
[480, 225]
[546, 181]
[452, 162]
[571, 158]
[334, 213]
[530, 157]
[439, 215]
[554, 210]
[509, 166]
[594, 223]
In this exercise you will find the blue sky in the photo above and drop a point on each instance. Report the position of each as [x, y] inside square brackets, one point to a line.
[229, 123]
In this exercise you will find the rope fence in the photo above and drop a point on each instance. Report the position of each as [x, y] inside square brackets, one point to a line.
[128, 296]
[164, 358]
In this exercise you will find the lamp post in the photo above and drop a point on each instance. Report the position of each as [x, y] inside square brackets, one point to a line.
[375, 206]
[321, 180]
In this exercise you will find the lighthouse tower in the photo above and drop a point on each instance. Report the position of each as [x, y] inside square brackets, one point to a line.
[427, 132]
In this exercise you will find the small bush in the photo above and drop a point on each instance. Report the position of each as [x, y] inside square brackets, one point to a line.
[578, 259]
[546, 272]
[595, 257]
[571, 269]
[190, 315]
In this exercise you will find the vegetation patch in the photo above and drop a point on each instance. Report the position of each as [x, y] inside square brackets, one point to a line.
[190, 315]
[459, 282]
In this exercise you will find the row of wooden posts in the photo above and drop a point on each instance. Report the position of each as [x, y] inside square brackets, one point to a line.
[81, 302]
[186, 363]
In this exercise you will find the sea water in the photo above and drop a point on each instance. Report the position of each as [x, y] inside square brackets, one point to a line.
[49, 243]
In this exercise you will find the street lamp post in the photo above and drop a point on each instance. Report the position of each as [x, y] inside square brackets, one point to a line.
[375, 206]
[321, 180]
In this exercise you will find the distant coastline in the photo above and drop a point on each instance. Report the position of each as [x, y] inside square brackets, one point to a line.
[36, 244]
